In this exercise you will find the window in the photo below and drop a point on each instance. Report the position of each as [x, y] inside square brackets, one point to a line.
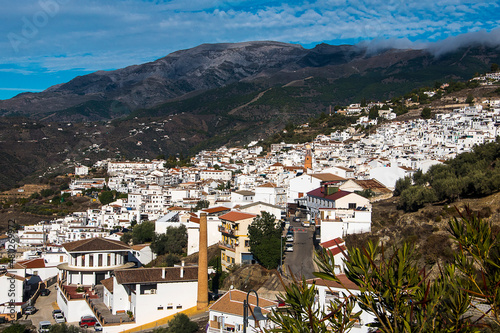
[352, 205]
[83, 260]
[160, 308]
[99, 260]
[91, 260]
[169, 306]
[247, 243]
[109, 259]
[178, 307]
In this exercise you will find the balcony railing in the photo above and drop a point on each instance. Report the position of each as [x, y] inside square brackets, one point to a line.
[225, 231]
[227, 246]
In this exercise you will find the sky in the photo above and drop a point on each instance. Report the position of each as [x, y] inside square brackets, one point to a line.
[46, 42]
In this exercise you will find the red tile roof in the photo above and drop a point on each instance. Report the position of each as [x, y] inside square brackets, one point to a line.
[234, 216]
[145, 275]
[95, 244]
[232, 302]
[332, 242]
[217, 209]
[31, 263]
[319, 193]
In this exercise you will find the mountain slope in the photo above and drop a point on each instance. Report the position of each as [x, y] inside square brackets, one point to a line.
[184, 74]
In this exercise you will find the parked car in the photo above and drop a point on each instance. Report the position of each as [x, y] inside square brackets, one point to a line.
[59, 318]
[289, 237]
[306, 223]
[87, 321]
[44, 326]
[98, 327]
[45, 292]
[297, 219]
[29, 310]
[54, 312]
[289, 247]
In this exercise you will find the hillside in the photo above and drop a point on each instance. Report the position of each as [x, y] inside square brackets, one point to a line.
[224, 94]
[341, 74]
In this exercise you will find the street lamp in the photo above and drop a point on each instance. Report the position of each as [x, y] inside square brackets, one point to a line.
[257, 312]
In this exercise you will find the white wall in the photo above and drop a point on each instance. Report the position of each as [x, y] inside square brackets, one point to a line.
[73, 310]
[182, 294]
[10, 288]
[364, 317]
[302, 184]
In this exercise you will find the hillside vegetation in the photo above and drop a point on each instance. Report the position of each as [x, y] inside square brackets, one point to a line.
[470, 175]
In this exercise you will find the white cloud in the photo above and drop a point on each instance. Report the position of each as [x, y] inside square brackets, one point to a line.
[117, 33]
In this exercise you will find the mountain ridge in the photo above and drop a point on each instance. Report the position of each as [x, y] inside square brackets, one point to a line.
[211, 66]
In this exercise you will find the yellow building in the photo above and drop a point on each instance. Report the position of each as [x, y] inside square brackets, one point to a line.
[235, 243]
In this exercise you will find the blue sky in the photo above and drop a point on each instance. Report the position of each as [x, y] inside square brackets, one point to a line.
[46, 42]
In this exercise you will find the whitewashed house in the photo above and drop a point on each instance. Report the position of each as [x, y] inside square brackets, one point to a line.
[151, 293]
[226, 314]
[330, 290]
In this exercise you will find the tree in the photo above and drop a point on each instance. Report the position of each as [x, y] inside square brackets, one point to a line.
[401, 185]
[179, 324]
[399, 294]
[16, 328]
[201, 204]
[415, 197]
[64, 328]
[106, 197]
[126, 237]
[143, 233]
[265, 240]
[494, 68]
[470, 99]
[478, 261]
[426, 113]
[174, 241]
[373, 113]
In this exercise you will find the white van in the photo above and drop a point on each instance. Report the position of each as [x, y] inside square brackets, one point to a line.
[44, 326]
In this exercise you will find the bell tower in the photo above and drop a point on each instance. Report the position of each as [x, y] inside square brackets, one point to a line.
[308, 159]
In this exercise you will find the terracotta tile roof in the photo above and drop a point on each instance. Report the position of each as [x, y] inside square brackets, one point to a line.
[327, 177]
[95, 244]
[177, 208]
[147, 275]
[232, 302]
[245, 192]
[332, 242]
[10, 275]
[217, 209]
[372, 184]
[234, 216]
[108, 283]
[320, 194]
[139, 247]
[194, 219]
[269, 184]
[332, 284]
[336, 250]
[31, 263]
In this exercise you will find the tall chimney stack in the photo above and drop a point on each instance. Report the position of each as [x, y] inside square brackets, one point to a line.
[203, 265]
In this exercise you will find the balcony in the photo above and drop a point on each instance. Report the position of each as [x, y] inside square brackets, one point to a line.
[226, 246]
[227, 232]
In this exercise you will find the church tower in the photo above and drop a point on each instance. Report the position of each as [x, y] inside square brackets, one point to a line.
[309, 159]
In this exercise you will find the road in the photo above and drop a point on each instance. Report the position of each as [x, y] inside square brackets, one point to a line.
[44, 308]
[300, 261]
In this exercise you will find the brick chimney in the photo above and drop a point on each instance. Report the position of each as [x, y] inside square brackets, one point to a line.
[203, 265]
